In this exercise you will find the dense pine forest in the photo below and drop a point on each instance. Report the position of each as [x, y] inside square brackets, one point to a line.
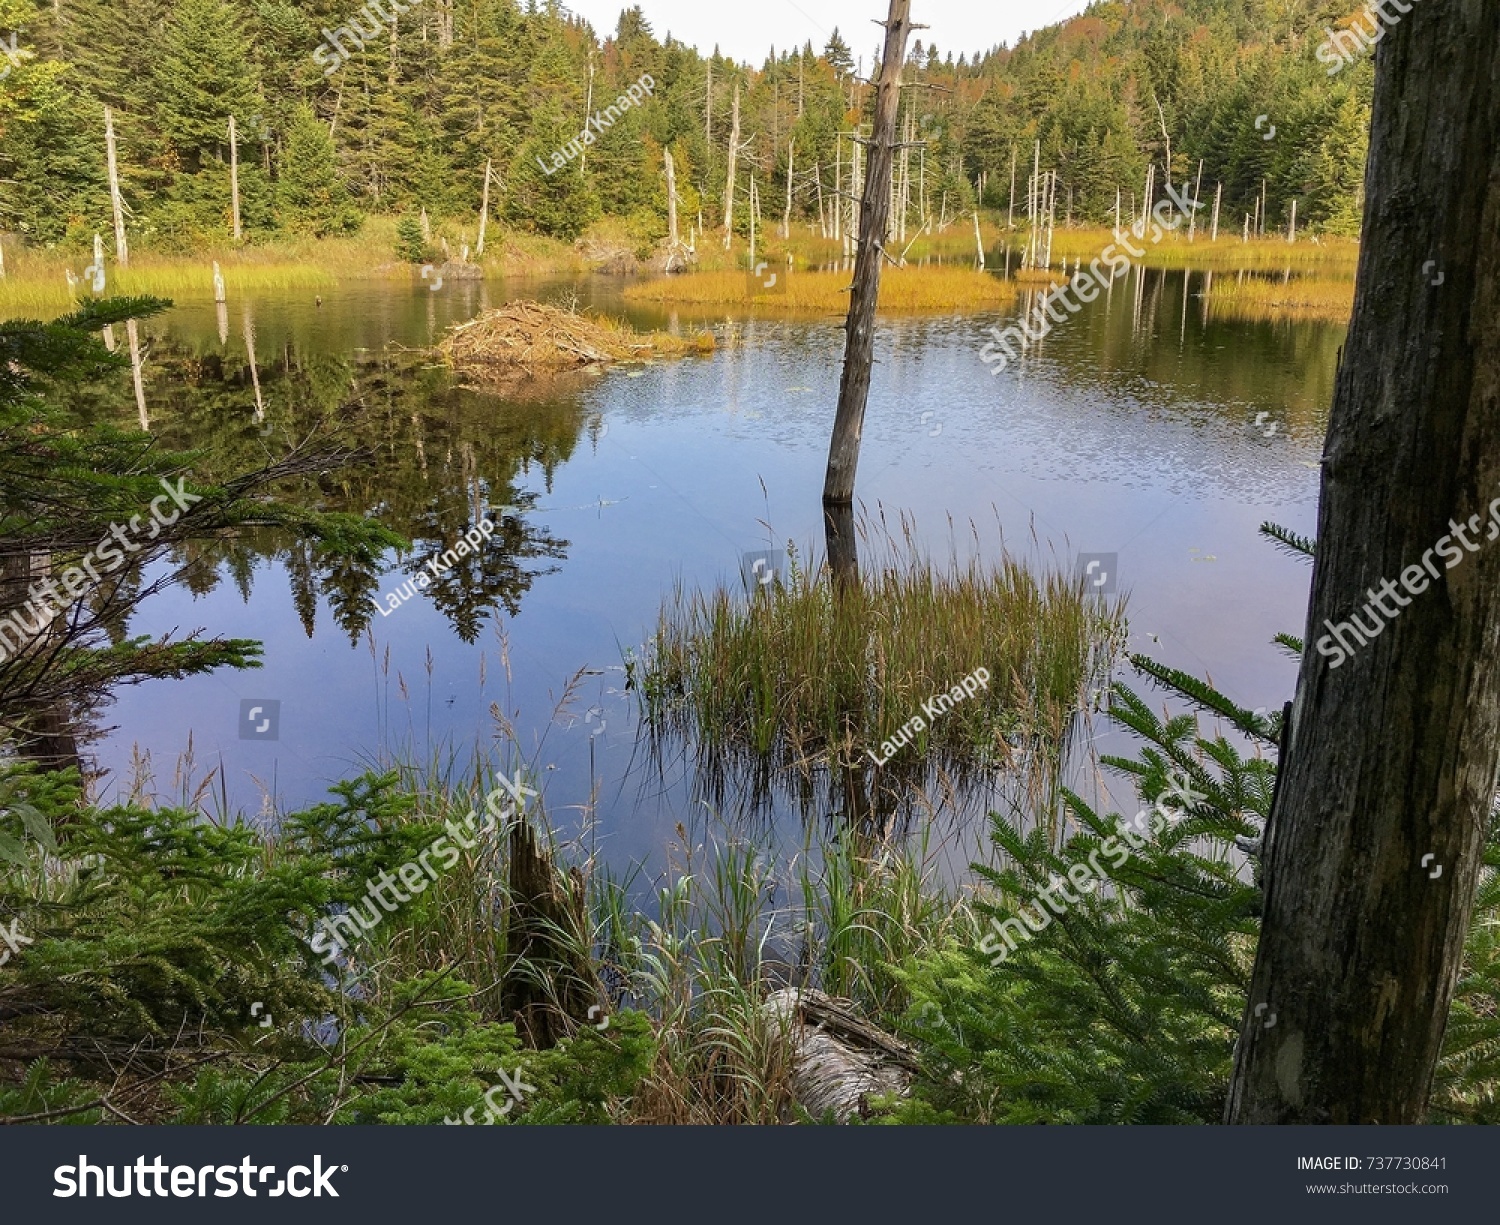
[408, 118]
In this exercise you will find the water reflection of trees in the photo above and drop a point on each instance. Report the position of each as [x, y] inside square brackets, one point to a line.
[434, 460]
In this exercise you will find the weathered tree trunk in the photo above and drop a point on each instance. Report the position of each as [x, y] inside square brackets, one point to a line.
[672, 235]
[734, 159]
[859, 351]
[117, 203]
[484, 210]
[1372, 852]
[234, 179]
[838, 187]
[588, 109]
[841, 1061]
[791, 162]
[1193, 216]
[1010, 213]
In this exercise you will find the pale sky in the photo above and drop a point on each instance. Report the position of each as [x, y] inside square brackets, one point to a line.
[747, 30]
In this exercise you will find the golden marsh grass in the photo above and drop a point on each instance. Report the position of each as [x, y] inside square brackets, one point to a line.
[902, 290]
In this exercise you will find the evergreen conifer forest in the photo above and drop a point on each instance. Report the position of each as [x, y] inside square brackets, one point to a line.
[408, 119]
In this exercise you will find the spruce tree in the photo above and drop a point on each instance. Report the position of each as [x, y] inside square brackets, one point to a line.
[311, 198]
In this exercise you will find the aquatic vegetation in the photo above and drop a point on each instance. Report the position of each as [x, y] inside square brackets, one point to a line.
[806, 674]
[1257, 298]
[36, 282]
[1334, 256]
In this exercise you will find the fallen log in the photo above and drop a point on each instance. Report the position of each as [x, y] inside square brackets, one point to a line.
[842, 1061]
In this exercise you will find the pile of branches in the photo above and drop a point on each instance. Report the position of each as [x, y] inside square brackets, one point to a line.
[532, 337]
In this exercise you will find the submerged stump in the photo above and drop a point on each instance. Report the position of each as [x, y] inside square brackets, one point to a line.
[550, 983]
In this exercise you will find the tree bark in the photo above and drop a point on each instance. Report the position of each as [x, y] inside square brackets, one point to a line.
[859, 351]
[672, 234]
[234, 178]
[1372, 851]
[791, 162]
[734, 157]
[550, 984]
[484, 210]
[117, 202]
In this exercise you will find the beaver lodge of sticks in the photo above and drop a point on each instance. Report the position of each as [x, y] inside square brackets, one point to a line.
[530, 338]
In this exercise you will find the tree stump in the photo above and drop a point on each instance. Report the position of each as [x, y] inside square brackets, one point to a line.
[550, 983]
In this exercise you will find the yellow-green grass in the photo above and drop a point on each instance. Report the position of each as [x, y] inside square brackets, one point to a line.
[810, 250]
[1300, 297]
[36, 285]
[1329, 255]
[913, 290]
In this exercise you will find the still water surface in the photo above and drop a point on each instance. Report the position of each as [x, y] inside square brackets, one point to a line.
[1142, 429]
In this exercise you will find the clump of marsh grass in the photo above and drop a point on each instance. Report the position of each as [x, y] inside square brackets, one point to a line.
[733, 923]
[807, 675]
[1302, 298]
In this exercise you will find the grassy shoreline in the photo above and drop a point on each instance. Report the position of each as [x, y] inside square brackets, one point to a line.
[940, 272]
[902, 290]
[36, 283]
[1328, 256]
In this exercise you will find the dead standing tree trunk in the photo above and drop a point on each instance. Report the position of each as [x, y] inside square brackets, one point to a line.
[734, 157]
[1373, 847]
[859, 351]
[116, 200]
